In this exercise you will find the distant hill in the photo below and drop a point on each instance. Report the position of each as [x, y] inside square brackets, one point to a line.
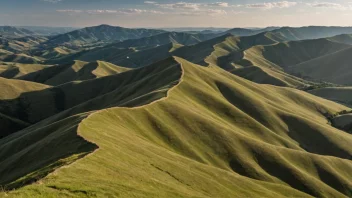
[49, 31]
[7, 56]
[164, 38]
[291, 53]
[343, 38]
[21, 44]
[75, 71]
[341, 95]
[102, 33]
[16, 70]
[11, 31]
[249, 32]
[311, 32]
[141, 52]
[333, 67]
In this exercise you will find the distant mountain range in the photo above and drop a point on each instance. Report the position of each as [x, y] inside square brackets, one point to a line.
[102, 33]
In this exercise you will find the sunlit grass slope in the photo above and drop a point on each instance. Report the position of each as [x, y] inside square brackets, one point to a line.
[75, 71]
[214, 135]
[9, 90]
[7, 56]
[263, 75]
[53, 142]
[16, 70]
[78, 97]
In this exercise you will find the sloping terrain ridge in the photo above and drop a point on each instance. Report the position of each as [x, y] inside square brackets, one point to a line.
[214, 135]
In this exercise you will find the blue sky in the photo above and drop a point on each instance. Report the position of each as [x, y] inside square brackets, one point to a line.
[173, 13]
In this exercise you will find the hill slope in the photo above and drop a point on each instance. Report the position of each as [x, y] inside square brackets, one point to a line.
[102, 33]
[343, 38]
[11, 31]
[311, 32]
[16, 70]
[214, 135]
[7, 56]
[334, 68]
[10, 90]
[341, 95]
[75, 71]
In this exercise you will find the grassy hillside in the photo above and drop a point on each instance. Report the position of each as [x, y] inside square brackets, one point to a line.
[214, 135]
[16, 70]
[224, 49]
[78, 97]
[163, 39]
[334, 68]
[141, 52]
[341, 95]
[343, 122]
[11, 31]
[291, 53]
[343, 38]
[21, 44]
[7, 56]
[10, 90]
[269, 76]
[75, 71]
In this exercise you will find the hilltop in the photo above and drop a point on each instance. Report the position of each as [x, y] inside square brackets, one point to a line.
[11, 31]
[74, 71]
[311, 32]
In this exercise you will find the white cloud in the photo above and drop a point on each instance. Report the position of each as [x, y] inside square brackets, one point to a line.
[187, 6]
[150, 2]
[69, 11]
[330, 5]
[120, 11]
[271, 5]
[218, 4]
[52, 1]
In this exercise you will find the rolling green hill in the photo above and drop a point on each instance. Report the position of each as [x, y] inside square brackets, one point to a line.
[343, 38]
[7, 56]
[10, 90]
[283, 55]
[22, 44]
[334, 68]
[199, 132]
[341, 95]
[16, 70]
[75, 71]
[141, 52]
[11, 31]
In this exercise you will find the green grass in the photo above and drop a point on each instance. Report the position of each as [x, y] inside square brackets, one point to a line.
[214, 135]
[73, 71]
[341, 95]
[333, 68]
